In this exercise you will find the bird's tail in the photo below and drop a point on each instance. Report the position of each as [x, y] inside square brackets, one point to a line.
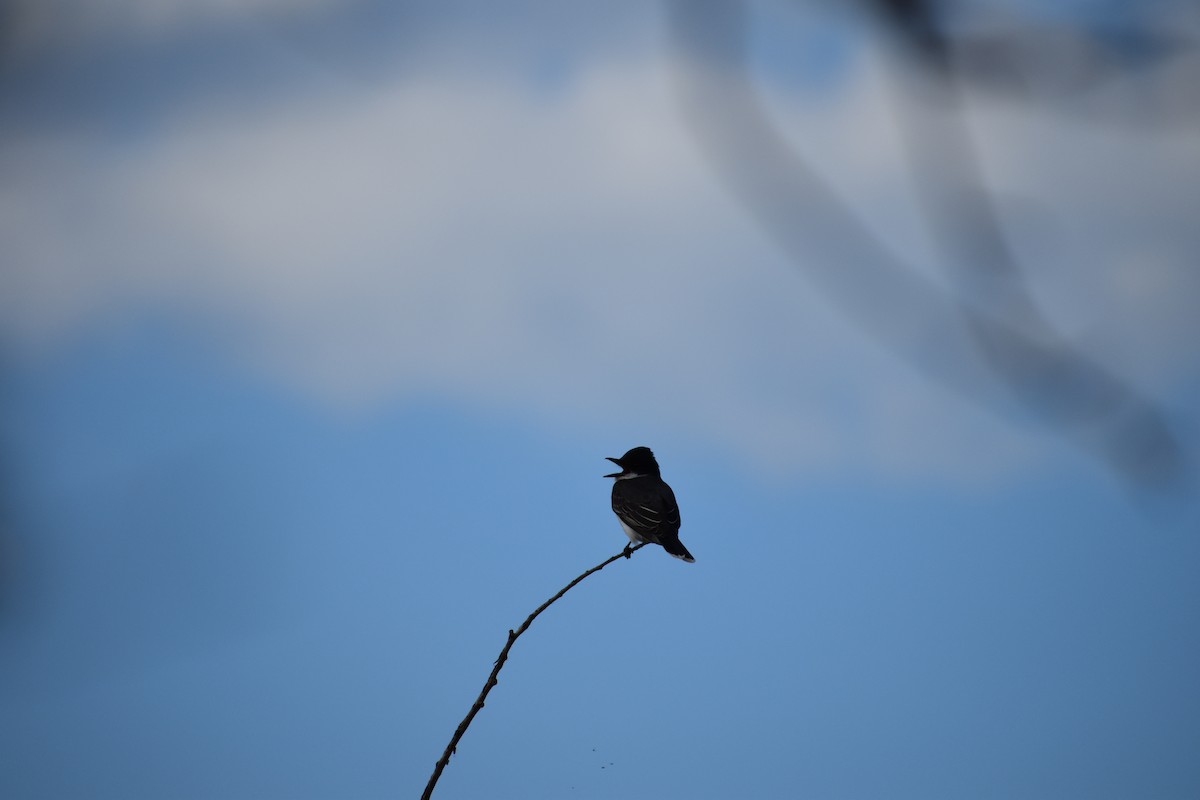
[675, 547]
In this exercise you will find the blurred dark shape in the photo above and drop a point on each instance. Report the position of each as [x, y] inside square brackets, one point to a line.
[1052, 62]
[15, 540]
[984, 336]
[8, 512]
[1049, 62]
[8, 549]
[1077, 395]
[1043, 370]
[917, 22]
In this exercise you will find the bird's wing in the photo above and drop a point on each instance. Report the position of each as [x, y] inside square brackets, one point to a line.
[646, 508]
[669, 506]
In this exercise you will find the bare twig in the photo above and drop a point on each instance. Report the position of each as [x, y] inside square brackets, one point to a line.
[492, 681]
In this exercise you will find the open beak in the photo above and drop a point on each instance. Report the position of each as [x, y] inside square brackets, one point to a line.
[618, 463]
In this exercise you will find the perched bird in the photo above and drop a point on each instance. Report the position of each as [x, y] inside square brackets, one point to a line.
[645, 504]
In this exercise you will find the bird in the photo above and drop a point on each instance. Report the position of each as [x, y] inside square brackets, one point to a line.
[645, 504]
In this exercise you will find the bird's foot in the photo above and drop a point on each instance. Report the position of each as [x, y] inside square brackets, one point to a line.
[628, 551]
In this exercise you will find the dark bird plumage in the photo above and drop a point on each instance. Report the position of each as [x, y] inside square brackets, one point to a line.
[645, 504]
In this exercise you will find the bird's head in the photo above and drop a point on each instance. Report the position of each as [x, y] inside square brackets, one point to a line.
[638, 461]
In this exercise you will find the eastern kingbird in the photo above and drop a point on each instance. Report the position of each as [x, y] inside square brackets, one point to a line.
[644, 503]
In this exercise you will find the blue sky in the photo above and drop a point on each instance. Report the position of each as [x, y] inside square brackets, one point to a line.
[318, 319]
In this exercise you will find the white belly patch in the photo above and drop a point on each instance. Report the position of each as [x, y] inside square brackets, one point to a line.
[633, 535]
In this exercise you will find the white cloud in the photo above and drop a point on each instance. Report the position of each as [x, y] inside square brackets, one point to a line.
[467, 235]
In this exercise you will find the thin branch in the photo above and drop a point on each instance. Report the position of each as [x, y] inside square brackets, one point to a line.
[492, 681]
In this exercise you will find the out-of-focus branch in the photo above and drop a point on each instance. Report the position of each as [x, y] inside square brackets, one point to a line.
[983, 335]
[1032, 56]
[492, 679]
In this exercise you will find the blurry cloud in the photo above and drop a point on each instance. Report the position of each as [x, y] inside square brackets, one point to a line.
[473, 232]
[453, 237]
